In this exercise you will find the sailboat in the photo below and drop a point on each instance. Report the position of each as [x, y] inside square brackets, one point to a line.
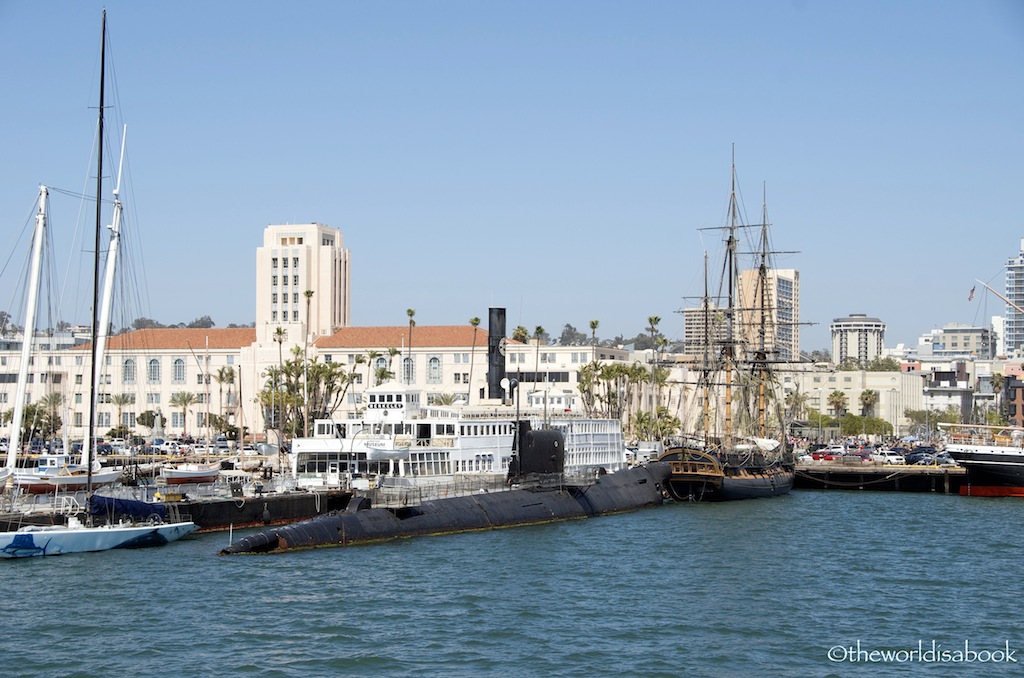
[78, 536]
[719, 463]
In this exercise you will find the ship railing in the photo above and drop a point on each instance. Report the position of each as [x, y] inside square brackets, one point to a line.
[390, 495]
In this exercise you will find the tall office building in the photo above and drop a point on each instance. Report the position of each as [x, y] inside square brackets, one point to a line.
[1014, 320]
[294, 259]
[780, 303]
[857, 336]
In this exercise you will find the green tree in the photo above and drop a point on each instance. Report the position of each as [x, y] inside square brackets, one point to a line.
[881, 364]
[521, 334]
[538, 332]
[407, 370]
[837, 400]
[593, 336]
[121, 401]
[474, 322]
[184, 400]
[868, 400]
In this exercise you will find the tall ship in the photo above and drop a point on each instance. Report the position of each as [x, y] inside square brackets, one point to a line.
[739, 450]
[992, 455]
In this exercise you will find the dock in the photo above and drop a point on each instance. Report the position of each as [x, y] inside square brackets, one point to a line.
[887, 477]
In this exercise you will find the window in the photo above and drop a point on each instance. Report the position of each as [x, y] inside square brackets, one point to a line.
[199, 379]
[434, 370]
[273, 298]
[273, 262]
[295, 279]
[408, 371]
[295, 297]
[152, 398]
[273, 280]
[295, 314]
[179, 371]
[284, 280]
[153, 371]
[328, 357]
[295, 262]
[78, 418]
[128, 371]
[273, 315]
[284, 262]
[78, 380]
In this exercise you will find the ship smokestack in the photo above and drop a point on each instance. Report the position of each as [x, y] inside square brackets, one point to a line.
[495, 352]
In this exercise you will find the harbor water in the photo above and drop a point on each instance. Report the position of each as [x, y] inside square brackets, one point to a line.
[815, 583]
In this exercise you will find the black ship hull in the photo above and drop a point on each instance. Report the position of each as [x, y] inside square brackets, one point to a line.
[991, 471]
[626, 490]
[697, 476]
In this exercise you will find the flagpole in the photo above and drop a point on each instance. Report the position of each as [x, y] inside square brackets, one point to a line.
[1019, 309]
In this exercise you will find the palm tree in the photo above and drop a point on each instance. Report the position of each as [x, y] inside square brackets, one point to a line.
[392, 352]
[407, 376]
[280, 335]
[305, 376]
[868, 400]
[538, 332]
[520, 334]
[837, 401]
[184, 400]
[119, 400]
[652, 327]
[224, 375]
[474, 322]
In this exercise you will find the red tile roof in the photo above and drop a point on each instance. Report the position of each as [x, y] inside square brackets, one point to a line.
[181, 338]
[397, 337]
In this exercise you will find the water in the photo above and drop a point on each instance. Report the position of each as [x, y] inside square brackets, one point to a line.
[766, 587]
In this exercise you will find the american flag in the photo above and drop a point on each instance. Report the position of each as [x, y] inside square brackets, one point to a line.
[970, 297]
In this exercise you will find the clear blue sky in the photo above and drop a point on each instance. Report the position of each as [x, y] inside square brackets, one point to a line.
[555, 158]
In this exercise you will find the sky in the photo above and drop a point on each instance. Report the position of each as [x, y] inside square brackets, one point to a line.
[558, 159]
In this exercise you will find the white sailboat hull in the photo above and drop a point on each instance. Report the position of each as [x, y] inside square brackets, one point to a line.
[77, 538]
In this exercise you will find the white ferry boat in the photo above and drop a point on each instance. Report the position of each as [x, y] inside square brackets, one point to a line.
[400, 437]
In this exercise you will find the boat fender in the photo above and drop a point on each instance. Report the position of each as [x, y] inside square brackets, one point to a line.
[266, 514]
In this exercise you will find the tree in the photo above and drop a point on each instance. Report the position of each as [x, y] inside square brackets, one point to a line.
[652, 327]
[837, 401]
[147, 419]
[184, 400]
[538, 332]
[796, 404]
[571, 337]
[593, 336]
[407, 373]
[224, 375]
[305, 347]
[205, 322]
[881, 364]
[121, 401]
[868, 400]
[145, 324]
[474, 322]
[521, 334]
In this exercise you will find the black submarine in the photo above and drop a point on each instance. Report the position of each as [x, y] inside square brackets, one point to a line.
[539, 492]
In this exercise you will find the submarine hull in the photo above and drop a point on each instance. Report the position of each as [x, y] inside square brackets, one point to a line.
[626, 490]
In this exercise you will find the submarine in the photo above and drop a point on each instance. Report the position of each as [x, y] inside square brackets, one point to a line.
[538, 491]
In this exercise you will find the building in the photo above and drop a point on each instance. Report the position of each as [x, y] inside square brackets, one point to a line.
[958, 341]
[857, 337]
[780, 302]
[1014, 320]
[296, 259]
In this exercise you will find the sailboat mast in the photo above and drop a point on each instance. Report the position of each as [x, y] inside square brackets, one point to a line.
[87, 446]
[730, 258]
[706, 367]
[38, 241]
[762, 354]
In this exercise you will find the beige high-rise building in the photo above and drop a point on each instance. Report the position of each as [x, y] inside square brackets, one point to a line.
[294, 259]
[779, 299]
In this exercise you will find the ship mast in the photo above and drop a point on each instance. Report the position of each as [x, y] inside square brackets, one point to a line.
[728, 350]
[87, 445]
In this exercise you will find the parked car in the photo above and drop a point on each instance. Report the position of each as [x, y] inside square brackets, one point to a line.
[834, 453]
[943, 459]
[921, 453]
[4, 444]
[888, 457]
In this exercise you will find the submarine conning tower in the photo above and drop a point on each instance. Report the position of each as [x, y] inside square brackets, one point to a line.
[536, 453]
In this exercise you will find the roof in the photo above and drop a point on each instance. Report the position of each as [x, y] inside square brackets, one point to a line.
[397, 337]
[181, 338]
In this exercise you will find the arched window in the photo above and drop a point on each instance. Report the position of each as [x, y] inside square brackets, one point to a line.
[179, 371]
[434, 370]
[408, 371]
[128, 371]
[381, 363]
[153, 371]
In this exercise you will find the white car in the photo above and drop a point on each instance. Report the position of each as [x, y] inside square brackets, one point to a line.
[888, 457]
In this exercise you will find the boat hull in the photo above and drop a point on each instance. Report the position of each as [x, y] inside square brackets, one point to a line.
[991, 470]
[626, 490]
[54, 541]
[698, 476]
[76, 482]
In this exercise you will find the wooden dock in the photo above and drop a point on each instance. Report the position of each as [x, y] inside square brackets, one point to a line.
[888, 477]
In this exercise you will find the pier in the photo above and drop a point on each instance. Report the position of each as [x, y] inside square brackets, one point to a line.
[892, 477]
